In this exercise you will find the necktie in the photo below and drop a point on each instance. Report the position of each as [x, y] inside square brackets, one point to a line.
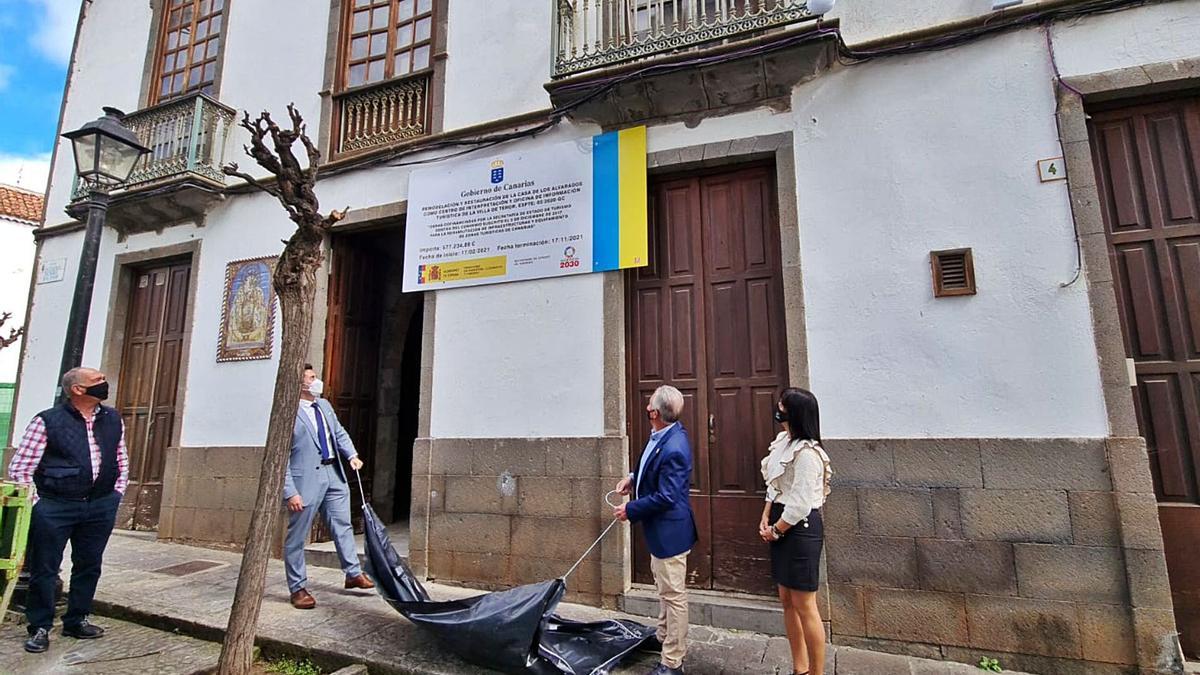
[321, 436]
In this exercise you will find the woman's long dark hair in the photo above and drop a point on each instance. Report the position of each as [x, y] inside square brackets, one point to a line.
[803, 415]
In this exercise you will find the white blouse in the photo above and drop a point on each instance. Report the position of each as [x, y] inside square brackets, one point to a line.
[797, 476]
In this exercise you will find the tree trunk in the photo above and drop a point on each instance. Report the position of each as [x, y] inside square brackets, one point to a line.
[296, 304]
[295, 284]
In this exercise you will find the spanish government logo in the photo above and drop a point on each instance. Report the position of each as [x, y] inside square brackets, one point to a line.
[428, 273]
[498, 171]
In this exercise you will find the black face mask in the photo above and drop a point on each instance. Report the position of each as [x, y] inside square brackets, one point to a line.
[99, 391]
[780, 416]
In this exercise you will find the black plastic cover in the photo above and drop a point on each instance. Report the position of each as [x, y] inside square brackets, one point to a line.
[514, 631]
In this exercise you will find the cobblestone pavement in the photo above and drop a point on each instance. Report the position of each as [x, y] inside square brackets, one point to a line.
[191, 589]
[127, 649]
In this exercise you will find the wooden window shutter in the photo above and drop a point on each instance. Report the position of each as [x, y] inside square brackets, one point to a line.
[953, 272]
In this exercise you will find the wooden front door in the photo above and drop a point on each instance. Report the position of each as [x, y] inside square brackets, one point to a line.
[148, 383]
[706, 316]
[352, 353]
[1148, 171]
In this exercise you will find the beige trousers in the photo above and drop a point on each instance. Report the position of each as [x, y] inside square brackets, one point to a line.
[670, 578]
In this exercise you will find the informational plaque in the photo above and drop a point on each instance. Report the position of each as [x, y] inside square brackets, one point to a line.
[52, 270]
[568, 208]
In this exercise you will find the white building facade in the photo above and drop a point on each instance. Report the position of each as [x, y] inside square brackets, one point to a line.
[20, 213]
[857, 205]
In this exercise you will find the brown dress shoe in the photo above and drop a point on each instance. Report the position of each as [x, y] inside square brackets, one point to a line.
[302, 599]
[360, 581]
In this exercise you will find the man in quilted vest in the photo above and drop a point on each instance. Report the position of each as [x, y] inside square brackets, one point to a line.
[74, 454]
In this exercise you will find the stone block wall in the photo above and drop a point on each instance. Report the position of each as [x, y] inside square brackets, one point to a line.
[495, 513]
[209, 495]
[1044, 553]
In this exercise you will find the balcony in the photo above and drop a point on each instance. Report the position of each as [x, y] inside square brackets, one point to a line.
[181, 177]
[598, 40]
[382, 114]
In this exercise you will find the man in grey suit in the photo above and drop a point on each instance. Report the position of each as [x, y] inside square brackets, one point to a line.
[316, 482]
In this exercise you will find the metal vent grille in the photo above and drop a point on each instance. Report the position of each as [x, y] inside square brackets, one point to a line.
[953, 272]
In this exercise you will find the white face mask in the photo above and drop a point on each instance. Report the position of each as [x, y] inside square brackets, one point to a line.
[316, 388]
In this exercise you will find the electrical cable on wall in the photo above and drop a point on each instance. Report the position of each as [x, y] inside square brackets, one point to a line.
[1063, 84]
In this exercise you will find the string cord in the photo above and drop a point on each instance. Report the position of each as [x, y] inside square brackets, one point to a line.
[598, 539]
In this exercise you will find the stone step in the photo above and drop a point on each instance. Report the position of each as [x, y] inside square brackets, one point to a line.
[737, 611]
[324, 554]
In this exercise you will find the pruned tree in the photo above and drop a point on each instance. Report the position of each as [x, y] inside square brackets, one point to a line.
[295, 285]
[14, 334]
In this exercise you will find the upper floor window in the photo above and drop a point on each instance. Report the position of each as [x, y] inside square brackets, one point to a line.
[188, 44]
[385, 39]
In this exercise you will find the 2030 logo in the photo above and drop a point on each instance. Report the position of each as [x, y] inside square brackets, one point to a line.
[569, 260]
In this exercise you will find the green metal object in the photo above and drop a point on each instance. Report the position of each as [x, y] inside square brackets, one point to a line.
[6, 411]
[15, 509]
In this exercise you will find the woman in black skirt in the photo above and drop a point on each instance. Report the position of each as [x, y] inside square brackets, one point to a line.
[796, 471]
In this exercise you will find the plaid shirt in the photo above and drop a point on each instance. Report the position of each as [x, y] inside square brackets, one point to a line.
[33, 445]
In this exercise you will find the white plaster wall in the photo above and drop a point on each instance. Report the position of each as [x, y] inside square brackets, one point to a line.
[863, 20]
[103, 76]
[52, 306]
[273, 58]
[16, 264]
[887, 172]
[225, 403]
[1155, 33]
[229, 403]
[761, 122]
[499, 60]
[908, 155]
[513, 65]
[520, 360]
[870, 19]
[46, 329]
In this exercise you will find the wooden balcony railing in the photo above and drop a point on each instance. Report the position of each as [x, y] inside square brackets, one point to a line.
[186, 138]
[381, 114]
[596, 33]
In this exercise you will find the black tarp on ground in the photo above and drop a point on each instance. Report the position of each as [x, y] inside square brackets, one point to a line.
[515, 631]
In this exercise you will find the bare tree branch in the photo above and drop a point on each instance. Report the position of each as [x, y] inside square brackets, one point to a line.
[232, 169]
[15, 334]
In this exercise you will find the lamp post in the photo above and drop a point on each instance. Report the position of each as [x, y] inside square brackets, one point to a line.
[106, 152]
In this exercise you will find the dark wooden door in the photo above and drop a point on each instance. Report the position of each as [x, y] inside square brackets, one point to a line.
[707, 317]
[148, 384]
[1147, 166]
[352, 353]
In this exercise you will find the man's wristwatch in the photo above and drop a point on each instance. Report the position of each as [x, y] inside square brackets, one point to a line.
[775, 531]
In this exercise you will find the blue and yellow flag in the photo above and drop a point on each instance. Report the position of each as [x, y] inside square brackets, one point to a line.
[619, 209]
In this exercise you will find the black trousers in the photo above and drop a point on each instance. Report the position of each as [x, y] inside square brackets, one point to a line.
[87, 525]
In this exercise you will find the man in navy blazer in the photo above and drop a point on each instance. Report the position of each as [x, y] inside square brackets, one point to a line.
[659, 486]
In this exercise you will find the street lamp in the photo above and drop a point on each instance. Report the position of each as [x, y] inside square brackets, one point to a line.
[106, 152]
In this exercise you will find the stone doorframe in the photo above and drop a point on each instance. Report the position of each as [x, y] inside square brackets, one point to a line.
[358, 220]
[1137, 510]
[119, 303]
